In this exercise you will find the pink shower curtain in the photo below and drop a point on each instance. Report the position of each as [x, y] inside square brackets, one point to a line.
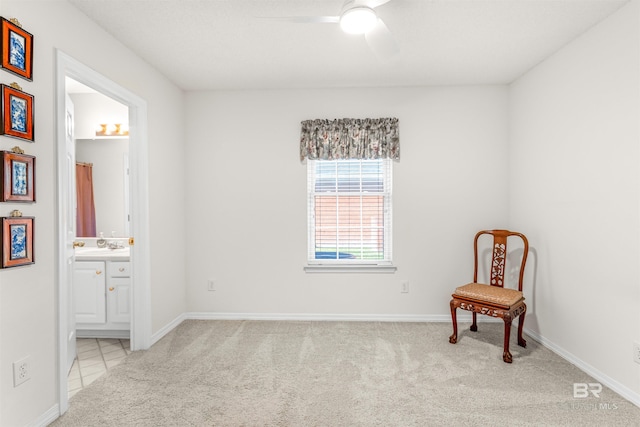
[86, 215]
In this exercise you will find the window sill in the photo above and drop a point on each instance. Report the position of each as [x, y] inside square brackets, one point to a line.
[353, 268]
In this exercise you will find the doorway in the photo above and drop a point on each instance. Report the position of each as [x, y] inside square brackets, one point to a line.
[140, 328]
[100, 127]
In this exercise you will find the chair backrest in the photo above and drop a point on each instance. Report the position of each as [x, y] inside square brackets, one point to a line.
[499, 256]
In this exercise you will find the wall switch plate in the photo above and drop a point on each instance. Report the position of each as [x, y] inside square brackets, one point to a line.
[211, 285]
[636, 351]
[21, 371]
[404, 288]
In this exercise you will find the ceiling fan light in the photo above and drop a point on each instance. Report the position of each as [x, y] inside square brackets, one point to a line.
[358, 20]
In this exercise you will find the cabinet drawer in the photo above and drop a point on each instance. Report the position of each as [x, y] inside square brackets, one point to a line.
[119, 269]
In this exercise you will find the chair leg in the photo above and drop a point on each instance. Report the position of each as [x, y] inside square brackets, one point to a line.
[521, 341]
[454, 338]
[506, 354]
[474, 325]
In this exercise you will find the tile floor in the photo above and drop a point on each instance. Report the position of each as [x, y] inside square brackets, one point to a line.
[95, 357]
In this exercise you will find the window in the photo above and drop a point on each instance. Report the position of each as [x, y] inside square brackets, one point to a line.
[349, 212]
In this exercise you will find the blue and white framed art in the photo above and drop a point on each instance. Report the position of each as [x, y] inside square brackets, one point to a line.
[17, 112]
[17, 241]
[17, 49]
[18, 176]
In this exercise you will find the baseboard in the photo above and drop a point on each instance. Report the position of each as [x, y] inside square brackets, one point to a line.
[604, 379]
[47, 418]
[462, 317]
[319, 317]
[167, 328]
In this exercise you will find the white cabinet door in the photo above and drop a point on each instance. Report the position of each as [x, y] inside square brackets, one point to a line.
[118, 298]
[89, 292]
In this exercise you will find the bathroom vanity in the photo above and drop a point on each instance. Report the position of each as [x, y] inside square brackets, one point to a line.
[102, 292]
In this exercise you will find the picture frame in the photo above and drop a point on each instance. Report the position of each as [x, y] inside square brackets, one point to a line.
[17, 241]
[18, 177]
[17, 113]
[17, 49]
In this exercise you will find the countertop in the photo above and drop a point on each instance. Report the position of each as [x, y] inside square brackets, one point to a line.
[102, 254]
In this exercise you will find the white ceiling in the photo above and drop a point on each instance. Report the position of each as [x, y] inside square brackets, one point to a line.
[228, 44]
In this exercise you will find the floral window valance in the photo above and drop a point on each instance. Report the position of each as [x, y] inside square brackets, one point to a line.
[349, 139]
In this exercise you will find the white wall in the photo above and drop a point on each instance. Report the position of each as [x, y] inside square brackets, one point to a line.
[574, 154]
[247, 198]
[28, 295]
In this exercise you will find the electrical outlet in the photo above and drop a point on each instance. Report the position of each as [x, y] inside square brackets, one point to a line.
[211, 285]
[404, 288]
[636, 352]
[21, 371]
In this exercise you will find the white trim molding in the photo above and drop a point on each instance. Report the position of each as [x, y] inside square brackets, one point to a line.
[47, 417]
[434, 318]
[614, 385]
[350, 268]
[168, 328]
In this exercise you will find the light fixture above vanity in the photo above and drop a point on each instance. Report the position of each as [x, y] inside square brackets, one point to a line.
[112, 129]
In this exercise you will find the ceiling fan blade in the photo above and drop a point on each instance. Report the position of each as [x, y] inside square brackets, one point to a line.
[381, 41]
[370, 3]
[307, 19]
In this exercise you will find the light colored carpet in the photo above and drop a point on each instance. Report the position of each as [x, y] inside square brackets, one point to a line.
[272, 373]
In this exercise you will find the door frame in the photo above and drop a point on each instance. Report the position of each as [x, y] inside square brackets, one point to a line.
[138, 202]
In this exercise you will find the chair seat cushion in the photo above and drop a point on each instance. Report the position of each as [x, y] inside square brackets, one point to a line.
[490, 294]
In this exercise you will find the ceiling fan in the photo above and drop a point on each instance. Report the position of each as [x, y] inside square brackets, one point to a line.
[358, 17]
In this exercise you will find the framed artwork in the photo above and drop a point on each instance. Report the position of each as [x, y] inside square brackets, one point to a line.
[17, 241]
[17, 113]
[17, 49]
[18, 177]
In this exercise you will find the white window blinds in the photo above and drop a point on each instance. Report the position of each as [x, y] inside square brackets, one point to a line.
[349, 211]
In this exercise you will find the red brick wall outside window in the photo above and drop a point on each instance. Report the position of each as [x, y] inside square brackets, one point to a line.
[351, 225]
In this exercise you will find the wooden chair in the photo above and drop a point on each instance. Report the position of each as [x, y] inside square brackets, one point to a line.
[493, 299]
